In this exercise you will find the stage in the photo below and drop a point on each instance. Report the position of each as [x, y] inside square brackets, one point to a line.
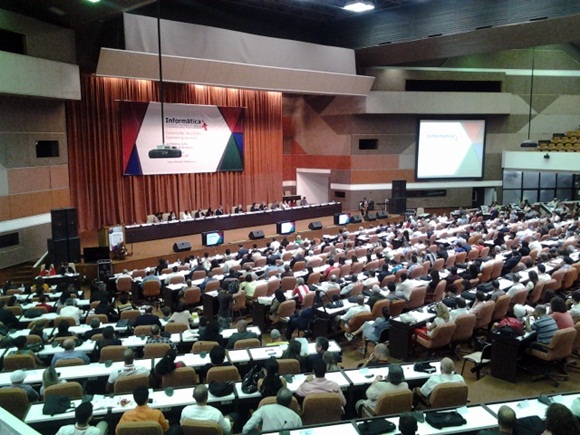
[146, 254]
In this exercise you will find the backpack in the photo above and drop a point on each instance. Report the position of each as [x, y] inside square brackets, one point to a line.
[56, 404]
[221, 389]
[440, 420]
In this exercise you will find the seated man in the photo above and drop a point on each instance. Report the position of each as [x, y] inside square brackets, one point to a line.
[142, 412]
[71, 310]
[379, 358]
[544, 325]
[300, 321]
[200, 410]
[242, 334]
[147, 318]
[407, 424]
[156, 336]
[128, 369]
[276, 416]
[447, 375]
[393, 383]
[217, 357]
[83, 415]
[95, 329]
[17, 381]
[461, 305]
[506, 419]
[318, 383]
[321, 346]
[70, 352]
[360, 307]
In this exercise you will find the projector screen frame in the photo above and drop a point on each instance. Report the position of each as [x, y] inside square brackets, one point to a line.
[449, 118]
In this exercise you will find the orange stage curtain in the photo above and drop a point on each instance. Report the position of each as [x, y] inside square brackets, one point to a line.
[103, 196]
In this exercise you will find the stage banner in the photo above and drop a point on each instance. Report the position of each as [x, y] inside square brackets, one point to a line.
[197, 138]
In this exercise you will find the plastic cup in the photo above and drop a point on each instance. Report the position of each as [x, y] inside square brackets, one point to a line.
[203, 354]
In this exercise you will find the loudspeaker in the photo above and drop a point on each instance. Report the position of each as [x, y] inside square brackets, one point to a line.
[399, 189]
[398, 205]
[184, 245]
[104, 270]
[92, 255]
[381, 214]
[317, 225]
[256, 234]
[355, 219]
[64, 250]
[371, 217]
[64, 223]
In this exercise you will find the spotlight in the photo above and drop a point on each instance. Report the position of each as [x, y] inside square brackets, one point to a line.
[359, 6]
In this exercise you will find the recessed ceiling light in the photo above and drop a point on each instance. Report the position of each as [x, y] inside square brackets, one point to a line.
[93, 1]
[359, 6]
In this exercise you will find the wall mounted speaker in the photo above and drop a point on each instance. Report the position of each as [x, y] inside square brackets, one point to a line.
[64, 223]
[181, 246]
[399, 189]
[256, 234]
[355, 219]
[317, 225]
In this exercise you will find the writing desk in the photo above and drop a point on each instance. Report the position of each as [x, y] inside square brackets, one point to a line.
[336, 376]
[401, 331]
[366, 375]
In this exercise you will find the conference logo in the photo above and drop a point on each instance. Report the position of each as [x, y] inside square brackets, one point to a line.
[187, 122]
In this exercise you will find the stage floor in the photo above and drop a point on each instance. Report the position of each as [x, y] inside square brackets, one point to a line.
[146, 254]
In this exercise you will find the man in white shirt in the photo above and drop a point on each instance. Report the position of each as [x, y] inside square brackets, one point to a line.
[70, 310]
[171, 275]
[128, 369]
[447, 375]
[202, 411]
[405, 287]
[542, 275]
[275, 417]
[360, 307]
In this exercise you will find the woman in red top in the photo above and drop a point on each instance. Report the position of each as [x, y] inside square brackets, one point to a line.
[301, 289]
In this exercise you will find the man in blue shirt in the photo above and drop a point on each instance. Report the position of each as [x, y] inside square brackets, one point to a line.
[70, 352]
[544, 325]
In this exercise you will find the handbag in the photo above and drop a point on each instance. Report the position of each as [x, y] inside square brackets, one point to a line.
[376, 427]
[250, 381]
[221, 389]
[57, 404]
[439, 420]
[33, 313]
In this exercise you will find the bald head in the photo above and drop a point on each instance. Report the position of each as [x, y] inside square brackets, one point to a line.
[382, 351]
[447, 366]
[68, 344]
[128, 356]
[242, 326]
[506, 417]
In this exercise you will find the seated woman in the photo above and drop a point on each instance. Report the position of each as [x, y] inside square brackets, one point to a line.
[211, 332]
[560, 313]
[186, 216]
[435, 278]
[166, 365]
[272, 382]
[50, 377]
[442, 317]
[105, 308]
[294, 351]
[394, 382]
[217, 357]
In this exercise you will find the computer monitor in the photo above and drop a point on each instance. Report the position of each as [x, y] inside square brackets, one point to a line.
[212, 238]
[286, 227]
[341, 218]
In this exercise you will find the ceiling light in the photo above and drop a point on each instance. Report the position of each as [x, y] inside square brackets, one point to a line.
[93, 1]
[359, 6]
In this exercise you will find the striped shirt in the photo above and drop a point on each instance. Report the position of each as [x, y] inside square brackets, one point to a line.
[545, 327]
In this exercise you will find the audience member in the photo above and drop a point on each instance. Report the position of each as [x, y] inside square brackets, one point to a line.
[200, 410]
[17, 381]
[271, 383]
[394, 382]
[70, 352]
[561, 421]
[242, 334]
[275, 417]
[127, 370]
[506, 419]
[447, 375]
[142, 412]
[318, 383]
[147, 318]
[83, 416]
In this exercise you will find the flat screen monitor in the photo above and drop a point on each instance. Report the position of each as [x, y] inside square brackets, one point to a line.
[212, 238]
[341, 218]
[450, 149]
[286, 227]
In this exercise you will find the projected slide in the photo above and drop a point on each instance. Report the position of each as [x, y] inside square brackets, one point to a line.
[197, 138]
[450, 149]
